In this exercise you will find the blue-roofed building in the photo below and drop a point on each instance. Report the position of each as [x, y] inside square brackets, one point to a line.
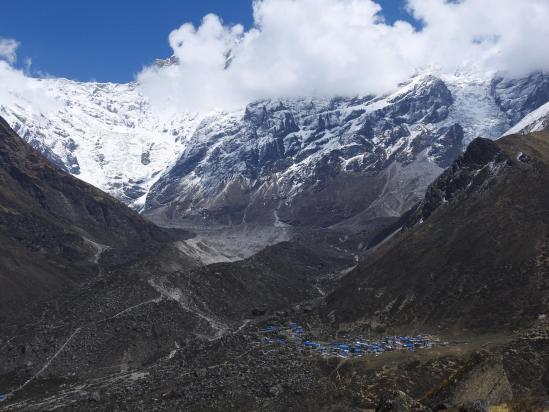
[268, 329]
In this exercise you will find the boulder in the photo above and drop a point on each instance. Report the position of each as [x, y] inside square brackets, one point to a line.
[398, 401]
[474, 406]
[276, 390]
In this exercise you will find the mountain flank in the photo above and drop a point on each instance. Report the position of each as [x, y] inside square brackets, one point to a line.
[473, 255]
[56, 230]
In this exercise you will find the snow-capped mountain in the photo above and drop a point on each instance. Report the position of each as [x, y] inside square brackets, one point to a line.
[106, 134]
[320, 162]
[299, 161]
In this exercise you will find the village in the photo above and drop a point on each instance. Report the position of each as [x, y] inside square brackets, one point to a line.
[292, 333]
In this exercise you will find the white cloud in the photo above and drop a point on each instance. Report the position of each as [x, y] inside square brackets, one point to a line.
[8, 49]
[343, 47]
[324, 48]
[497, 35]
[18, 88]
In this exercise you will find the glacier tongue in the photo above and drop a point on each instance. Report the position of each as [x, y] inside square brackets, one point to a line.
[475, 107]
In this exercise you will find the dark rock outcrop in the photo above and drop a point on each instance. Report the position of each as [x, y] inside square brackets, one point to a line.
[482, 161]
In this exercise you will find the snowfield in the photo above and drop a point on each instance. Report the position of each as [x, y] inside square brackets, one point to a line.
[106, 134]
[534, 122]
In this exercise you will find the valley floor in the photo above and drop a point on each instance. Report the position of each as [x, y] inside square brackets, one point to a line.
[239, 373]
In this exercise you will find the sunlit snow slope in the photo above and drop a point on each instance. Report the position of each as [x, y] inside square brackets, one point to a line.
[105, 134]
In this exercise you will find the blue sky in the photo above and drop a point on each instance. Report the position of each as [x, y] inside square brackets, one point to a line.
[111, 40]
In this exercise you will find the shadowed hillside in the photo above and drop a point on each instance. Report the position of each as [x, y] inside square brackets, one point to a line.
[473, 254]
[56, 229]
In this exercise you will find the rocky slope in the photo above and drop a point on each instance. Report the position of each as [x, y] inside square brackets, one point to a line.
[90, 288]
[55, 229]
[153, 331]
[471, 255]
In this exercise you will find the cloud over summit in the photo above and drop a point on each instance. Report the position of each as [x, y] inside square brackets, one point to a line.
[325, 48]
[343, 47]
[18, 88]
[8, 48]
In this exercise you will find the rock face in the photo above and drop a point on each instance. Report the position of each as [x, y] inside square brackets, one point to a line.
[304, 162]
[311, 162]
[482, 161]
[535, 121]
[481, 385]
[474, 406]
[475, 255]
[499, 376]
